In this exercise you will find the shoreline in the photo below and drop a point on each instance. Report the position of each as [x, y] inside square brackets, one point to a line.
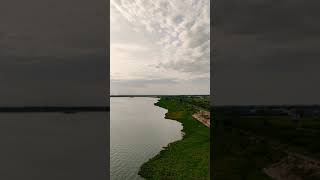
[165, 147]
[164, 164]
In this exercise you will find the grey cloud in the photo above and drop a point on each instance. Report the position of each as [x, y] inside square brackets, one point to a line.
[194, 67]
[144, 82]
[178, 19]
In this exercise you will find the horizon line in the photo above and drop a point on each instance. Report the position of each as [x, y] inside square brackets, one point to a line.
[160, 95]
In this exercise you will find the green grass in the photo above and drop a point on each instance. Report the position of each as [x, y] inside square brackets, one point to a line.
[187, 159]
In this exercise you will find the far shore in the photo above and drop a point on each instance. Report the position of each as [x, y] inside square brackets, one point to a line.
[67, 109]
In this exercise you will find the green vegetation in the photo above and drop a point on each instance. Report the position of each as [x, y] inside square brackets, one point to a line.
[244, 145]
[185, 159]
[202, 102]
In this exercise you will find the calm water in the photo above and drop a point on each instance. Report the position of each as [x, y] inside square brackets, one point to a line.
[138, 132]
[51, 146]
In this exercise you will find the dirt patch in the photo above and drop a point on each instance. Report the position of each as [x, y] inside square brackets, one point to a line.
[203, 117]
[294, 167]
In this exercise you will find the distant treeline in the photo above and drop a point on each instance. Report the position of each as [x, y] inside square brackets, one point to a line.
[198, 101]
[150, 95]
[268, 110]
[55, 109]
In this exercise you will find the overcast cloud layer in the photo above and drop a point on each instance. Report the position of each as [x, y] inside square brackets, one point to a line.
[53, 52]
[160, 47]
[267, 52]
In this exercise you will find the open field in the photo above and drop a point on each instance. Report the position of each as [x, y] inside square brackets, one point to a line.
[250, 147]
[185, 159]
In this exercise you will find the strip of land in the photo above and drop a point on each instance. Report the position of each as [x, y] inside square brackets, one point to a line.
[155, 95]
[53, 109]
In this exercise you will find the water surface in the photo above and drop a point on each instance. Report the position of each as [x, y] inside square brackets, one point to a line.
[139, 131]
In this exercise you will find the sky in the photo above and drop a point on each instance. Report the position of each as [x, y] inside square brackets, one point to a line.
[53, 53]
[266, 52]
[159, 47]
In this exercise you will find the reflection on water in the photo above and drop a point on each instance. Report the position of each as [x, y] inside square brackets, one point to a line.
[138, 132]
[51, 146]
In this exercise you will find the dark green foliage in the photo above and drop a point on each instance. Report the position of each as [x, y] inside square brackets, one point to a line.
[238, 156]
[244, 145]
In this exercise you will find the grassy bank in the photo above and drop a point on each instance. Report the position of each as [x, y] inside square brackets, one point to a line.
[186, 159]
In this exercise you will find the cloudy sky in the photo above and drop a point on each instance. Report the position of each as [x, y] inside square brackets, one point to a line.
[53, 52]
[160, 47]
[267, 52]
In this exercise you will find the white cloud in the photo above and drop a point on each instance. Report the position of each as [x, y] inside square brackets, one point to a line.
[161, 38]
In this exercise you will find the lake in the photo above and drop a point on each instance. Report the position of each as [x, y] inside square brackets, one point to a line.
[51, 146]
[139, 131]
